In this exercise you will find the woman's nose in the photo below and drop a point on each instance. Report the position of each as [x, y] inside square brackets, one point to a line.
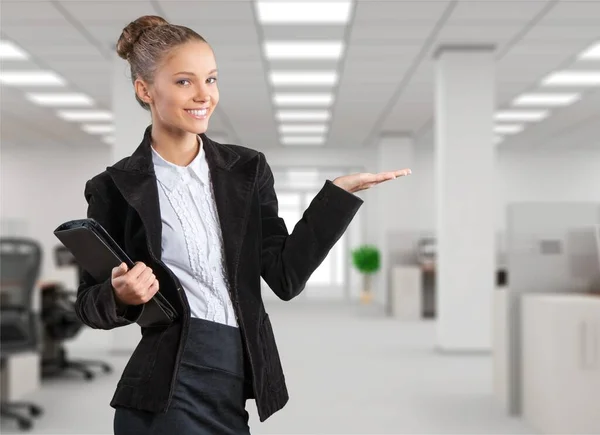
[202, 95]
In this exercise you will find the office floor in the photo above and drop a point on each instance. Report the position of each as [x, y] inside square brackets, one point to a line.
[349, 371]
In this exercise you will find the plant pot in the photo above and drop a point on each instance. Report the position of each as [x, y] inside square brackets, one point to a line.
[366, 297]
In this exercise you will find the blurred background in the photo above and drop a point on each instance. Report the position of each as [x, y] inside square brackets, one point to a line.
[462, 299]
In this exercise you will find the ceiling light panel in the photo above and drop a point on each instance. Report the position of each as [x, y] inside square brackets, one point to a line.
[303, 128]
[301, 99]
[10, 51]
[303, 140]
[573, 78]
[303, 115]
[311, 50]
[60, 99]
[547, 100]
[508, 128]
[30, 78]
[592, 53]
[521, 115]
[303, 78]
[85, 115]
[98, 128]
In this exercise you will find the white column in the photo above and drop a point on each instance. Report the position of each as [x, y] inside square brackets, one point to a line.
[130, 118]
[464, 168]
[393, 211]
[131, 121]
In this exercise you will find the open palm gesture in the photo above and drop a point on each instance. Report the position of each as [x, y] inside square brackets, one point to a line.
[356, 182]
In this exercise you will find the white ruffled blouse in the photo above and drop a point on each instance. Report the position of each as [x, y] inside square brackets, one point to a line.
[192, 243]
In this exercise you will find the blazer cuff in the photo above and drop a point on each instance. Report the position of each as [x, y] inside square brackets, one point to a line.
[130, 315]
[338, 198]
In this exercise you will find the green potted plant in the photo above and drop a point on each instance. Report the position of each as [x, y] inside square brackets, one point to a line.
[367, 261]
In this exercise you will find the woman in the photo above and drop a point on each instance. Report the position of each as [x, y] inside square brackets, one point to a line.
[200, 219]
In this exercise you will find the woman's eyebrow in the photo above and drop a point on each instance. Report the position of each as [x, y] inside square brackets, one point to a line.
[192, 74]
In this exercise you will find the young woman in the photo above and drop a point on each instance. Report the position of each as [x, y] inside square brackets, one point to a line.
[200, 219]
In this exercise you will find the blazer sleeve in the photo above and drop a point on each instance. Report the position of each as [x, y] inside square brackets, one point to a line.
[288, 260]
[96, 303]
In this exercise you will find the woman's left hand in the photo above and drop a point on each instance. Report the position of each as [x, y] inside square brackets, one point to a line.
[356, 182]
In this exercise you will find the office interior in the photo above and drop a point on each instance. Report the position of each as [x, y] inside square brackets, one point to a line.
[484, 314]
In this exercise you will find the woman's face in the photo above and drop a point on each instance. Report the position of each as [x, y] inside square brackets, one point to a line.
[184, 93]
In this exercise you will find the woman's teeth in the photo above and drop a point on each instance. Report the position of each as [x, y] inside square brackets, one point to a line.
[197, 113]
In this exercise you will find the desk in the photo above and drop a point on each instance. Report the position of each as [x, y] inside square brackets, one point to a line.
[412, 291]
[20, 375]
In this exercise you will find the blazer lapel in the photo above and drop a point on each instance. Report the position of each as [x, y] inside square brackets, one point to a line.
[233, 182]
[136, 180]
[141, 192]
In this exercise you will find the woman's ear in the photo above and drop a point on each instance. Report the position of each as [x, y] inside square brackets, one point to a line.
[143, 91]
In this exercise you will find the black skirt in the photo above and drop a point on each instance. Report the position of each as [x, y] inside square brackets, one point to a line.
[209, 397]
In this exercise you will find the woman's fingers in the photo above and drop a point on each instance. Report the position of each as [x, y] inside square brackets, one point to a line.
[403, 172]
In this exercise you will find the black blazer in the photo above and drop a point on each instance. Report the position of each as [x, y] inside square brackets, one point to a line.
[124, 199]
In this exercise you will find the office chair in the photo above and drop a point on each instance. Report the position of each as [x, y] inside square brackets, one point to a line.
[20, 263]
[61, 323]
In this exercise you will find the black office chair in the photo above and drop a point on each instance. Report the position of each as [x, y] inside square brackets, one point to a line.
[61, 324]
[20, 263]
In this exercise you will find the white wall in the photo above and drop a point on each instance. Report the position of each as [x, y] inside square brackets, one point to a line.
[45, 187]
[553, 176]
[557, 175]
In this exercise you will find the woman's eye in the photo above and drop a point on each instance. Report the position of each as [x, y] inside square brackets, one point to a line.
[182, 82]
[212, 80]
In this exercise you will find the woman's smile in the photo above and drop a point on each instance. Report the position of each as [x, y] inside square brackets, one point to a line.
[198, 113]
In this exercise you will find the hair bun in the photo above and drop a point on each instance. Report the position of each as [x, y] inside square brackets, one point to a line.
[134, 30]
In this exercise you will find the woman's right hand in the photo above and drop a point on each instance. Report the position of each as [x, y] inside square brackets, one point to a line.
[134, 287]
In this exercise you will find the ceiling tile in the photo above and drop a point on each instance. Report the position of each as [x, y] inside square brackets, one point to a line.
[208, 12]
[478, 34]
[500, 10]
[562, 32]
[407, 117]
[126, 10]
[68, 52]
[574, 12]
[383, 12]
[56, 33]
[375, 31]
[373, 71]
[18, 12]
[376, 52]
[534, 49]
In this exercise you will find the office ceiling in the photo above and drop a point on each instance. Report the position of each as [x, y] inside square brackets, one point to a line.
[385, 75]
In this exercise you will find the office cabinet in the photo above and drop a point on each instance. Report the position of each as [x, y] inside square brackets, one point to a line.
[560, 366]
[406, 292]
